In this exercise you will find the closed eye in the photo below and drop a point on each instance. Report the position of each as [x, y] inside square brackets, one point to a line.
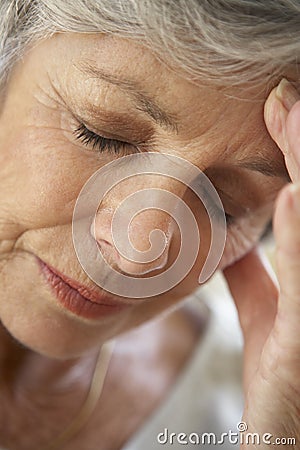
[122, 148]
[101, 144]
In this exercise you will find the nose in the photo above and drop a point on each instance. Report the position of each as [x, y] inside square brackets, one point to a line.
[136, 248]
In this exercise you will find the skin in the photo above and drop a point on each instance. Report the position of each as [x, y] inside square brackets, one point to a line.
[43, 168]
[269, 311]
[37, 135]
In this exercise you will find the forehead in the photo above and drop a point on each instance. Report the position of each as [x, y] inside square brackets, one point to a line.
[129, 68]
[126, 77]
[131, 62]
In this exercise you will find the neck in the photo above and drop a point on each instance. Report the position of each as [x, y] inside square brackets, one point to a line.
[36, 389]
[22, 367]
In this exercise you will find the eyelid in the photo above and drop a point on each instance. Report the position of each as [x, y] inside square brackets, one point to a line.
[101, 144]
[118, 126]
[141, 140]
[237, 210]
[103, 135]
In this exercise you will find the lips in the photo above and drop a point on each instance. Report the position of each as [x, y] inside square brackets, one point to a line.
[79, 299]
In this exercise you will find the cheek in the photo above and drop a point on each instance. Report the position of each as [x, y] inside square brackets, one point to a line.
[243, 235]
[41, 177]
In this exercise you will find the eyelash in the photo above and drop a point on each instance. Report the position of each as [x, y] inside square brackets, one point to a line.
[215, 213]
[102, 144]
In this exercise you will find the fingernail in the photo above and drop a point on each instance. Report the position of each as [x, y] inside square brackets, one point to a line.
[287, 94]
[295, 191]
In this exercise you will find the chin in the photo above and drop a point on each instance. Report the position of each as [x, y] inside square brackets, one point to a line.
[49, 330]
[51, 339]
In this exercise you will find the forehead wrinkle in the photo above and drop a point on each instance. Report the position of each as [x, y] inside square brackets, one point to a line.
[142, 100]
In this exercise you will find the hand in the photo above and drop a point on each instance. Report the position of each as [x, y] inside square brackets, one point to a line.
[270, 315]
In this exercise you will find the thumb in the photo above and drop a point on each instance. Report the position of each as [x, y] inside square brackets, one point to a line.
[282, 117]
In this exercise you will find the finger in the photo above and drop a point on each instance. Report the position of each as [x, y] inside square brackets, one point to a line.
[275, 115]
[281, 112]
[292, 131]
[255, 294]
[287, 235]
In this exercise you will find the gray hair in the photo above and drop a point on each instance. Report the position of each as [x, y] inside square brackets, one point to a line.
[226, 41]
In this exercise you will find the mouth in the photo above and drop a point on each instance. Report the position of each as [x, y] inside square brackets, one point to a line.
[79, 299]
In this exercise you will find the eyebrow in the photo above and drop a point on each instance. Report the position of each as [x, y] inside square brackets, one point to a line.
[265, 166]
[142, 100]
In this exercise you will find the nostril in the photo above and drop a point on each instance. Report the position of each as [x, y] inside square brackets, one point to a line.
[109, 252]
[127, 266]
[131, 261]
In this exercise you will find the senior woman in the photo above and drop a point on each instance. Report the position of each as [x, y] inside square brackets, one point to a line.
[84, 83]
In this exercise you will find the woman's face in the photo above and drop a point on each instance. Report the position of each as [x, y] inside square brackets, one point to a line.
[65, 92]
